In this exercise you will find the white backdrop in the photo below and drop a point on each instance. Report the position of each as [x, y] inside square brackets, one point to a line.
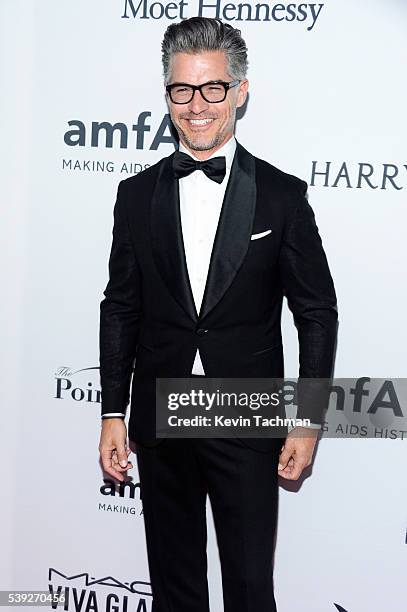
[325, 91]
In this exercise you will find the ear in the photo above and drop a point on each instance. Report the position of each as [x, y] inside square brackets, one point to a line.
[242, 93]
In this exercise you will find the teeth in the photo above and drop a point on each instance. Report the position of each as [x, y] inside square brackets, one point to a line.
[200, 121]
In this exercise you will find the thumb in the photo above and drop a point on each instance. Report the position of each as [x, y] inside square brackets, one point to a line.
[284, 458]
[122, 456]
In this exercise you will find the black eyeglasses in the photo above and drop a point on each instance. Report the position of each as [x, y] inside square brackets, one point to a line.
[212, 91]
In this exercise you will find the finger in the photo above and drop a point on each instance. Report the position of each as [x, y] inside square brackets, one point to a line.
[117, 471]
[295, 472]
[106, 458]
[115, 474]
[288, 468]
[123, 468]
[284, 458]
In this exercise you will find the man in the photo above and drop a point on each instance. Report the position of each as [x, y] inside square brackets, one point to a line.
[205, 242]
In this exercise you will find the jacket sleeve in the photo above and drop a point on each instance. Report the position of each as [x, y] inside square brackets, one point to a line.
[311, 296]
[120, 314]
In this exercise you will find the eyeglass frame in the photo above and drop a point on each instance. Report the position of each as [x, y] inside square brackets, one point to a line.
[226, 86]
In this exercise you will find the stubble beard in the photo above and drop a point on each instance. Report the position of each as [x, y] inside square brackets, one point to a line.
[198, 144]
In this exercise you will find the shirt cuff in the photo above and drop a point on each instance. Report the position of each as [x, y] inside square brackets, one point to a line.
[313, 426]
[108, 415]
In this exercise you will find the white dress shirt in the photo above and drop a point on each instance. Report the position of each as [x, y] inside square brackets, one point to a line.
[201, 201]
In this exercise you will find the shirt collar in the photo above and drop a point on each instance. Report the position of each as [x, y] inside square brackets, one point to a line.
[228, 150]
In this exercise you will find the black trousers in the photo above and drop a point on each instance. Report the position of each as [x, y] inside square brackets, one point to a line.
[242, 484]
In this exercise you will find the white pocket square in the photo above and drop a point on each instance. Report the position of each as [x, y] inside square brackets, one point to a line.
[260, 235]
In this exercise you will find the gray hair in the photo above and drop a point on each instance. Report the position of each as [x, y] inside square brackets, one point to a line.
[205, 34]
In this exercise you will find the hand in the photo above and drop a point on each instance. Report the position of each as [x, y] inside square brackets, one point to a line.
[296, 453]
[113, 448]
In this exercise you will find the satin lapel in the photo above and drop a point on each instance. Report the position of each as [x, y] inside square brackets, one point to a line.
[234, 229]
[167, 240]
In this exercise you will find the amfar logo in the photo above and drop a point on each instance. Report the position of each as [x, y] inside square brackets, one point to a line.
[358, 176]
[74, 384]
[124, 490]
[104, 134]
[227, 11]
[355, 410]
[82, 592]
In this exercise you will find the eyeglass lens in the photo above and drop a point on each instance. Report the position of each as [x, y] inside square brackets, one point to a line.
[212, 92]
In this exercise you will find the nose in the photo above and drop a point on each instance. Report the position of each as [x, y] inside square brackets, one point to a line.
[197, 104]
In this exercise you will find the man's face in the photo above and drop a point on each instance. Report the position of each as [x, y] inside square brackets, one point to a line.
[203, 126]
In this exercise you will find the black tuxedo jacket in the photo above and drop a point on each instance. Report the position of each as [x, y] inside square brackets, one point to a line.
[148, 318]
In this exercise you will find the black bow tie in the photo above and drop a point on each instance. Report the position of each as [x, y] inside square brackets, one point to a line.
[214, 168]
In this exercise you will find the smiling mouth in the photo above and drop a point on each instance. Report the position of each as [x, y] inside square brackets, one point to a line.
[199, 122]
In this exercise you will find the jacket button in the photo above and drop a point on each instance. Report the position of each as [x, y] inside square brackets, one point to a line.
[201, 331]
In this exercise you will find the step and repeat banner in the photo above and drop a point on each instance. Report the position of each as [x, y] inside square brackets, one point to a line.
[83, 107]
